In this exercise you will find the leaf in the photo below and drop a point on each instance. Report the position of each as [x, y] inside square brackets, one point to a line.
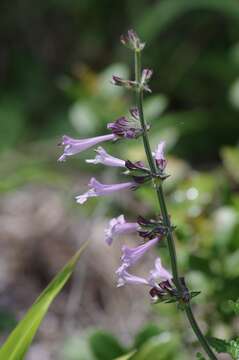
[162, 347]
[145, 334]
[221, 346]
[233, 349]
[21, 337]
[105, 346]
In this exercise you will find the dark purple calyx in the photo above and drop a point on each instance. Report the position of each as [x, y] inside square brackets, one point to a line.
[151, 228]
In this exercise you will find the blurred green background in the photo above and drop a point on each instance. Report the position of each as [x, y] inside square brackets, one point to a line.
[57, 58]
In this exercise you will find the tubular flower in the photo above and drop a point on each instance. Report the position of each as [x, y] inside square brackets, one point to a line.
[159, 156]
[159, 272]
[118, 226]
[75, 146]
[158, 276]
[98, 189]
[132, 255]
[124, 277]
[104, 158]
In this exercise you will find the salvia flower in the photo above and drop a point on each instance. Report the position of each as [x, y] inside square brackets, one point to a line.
[118, 226]
[132, 41]
[104, 158]
[126, 128]
[128, 84]
[160, 276]
[75, 146]
[159, 272]
[132, 255]
[159, 156]
[124, 277]
[99, 189]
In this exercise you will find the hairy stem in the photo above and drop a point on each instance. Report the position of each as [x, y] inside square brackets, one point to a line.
[160, 195]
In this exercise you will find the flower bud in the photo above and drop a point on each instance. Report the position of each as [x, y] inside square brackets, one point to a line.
[146, 76]
[132, 41]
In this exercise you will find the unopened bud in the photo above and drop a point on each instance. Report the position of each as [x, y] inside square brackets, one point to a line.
[132, 41]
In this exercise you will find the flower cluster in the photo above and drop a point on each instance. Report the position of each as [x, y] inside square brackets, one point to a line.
[151, 231]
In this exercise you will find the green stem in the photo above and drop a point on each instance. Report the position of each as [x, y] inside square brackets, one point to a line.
[153, 168]
[164, 211]
[198, 332]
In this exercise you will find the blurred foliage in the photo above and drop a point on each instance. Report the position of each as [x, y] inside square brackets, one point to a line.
[55, 67]
[18, 342]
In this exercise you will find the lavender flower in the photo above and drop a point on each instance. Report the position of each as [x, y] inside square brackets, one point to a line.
[118, 226]
[159, 156]
[159, 272]
[75, 146]
[127, 128]
[132, 255]
[124, 277]
[98, 189]
[157, 276]
[103, 157]
[132, 41]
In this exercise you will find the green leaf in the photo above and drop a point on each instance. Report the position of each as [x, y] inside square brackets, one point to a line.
[19, 340]
[105, 346]
[233, 349]
[221, 346]
[145, 334]
[162, 347]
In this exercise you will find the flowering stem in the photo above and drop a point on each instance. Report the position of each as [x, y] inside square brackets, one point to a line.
[160, 195]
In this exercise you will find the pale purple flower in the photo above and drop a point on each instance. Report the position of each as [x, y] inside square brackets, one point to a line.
[75, 146]
[98, 189]
[104, 158]
[159, 156]
[124, 277]
[157, 276]
[118, 226]
[158, 273]
[132, 255]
